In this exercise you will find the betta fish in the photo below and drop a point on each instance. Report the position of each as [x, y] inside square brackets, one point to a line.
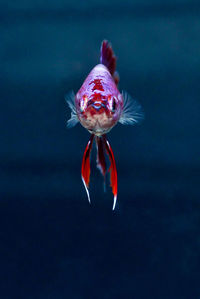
[99, 106]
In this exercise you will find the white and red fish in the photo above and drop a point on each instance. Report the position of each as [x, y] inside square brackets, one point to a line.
[99, 106]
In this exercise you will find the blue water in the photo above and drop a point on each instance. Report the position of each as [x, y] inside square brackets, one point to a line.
[53, 244]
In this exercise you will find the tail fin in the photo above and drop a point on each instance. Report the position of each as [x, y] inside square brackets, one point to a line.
[108, 58]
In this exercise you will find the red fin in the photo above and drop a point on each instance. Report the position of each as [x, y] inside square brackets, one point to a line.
[85, 169]
[108, 58]
[101, 162]
[112, 169]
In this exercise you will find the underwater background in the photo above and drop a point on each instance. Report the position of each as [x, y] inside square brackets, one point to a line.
[53, 244]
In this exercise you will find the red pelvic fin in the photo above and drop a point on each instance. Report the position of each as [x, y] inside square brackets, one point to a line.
[101, 162]
[108, 58]
[85, 169]
[112, 169]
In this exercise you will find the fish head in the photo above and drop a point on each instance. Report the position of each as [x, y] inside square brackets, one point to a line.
[99, 112]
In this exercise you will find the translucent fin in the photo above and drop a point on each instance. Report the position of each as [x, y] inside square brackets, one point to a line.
[86, 189]
[114, 202]
[85, 169]
[70, 99]
[132, 111]
[113, 171]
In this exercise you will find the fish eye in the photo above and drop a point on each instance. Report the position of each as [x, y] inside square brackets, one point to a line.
[114, 104]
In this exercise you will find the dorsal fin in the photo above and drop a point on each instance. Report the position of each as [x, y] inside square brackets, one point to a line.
[108, 59]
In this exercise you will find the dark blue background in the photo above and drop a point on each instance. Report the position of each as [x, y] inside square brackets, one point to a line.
[52, 243]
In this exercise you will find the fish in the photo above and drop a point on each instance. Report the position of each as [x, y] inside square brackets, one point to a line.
[98, 106]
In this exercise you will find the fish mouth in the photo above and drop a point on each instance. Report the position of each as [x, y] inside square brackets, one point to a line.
[98, 129]
[97, 105]
[97, 121]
